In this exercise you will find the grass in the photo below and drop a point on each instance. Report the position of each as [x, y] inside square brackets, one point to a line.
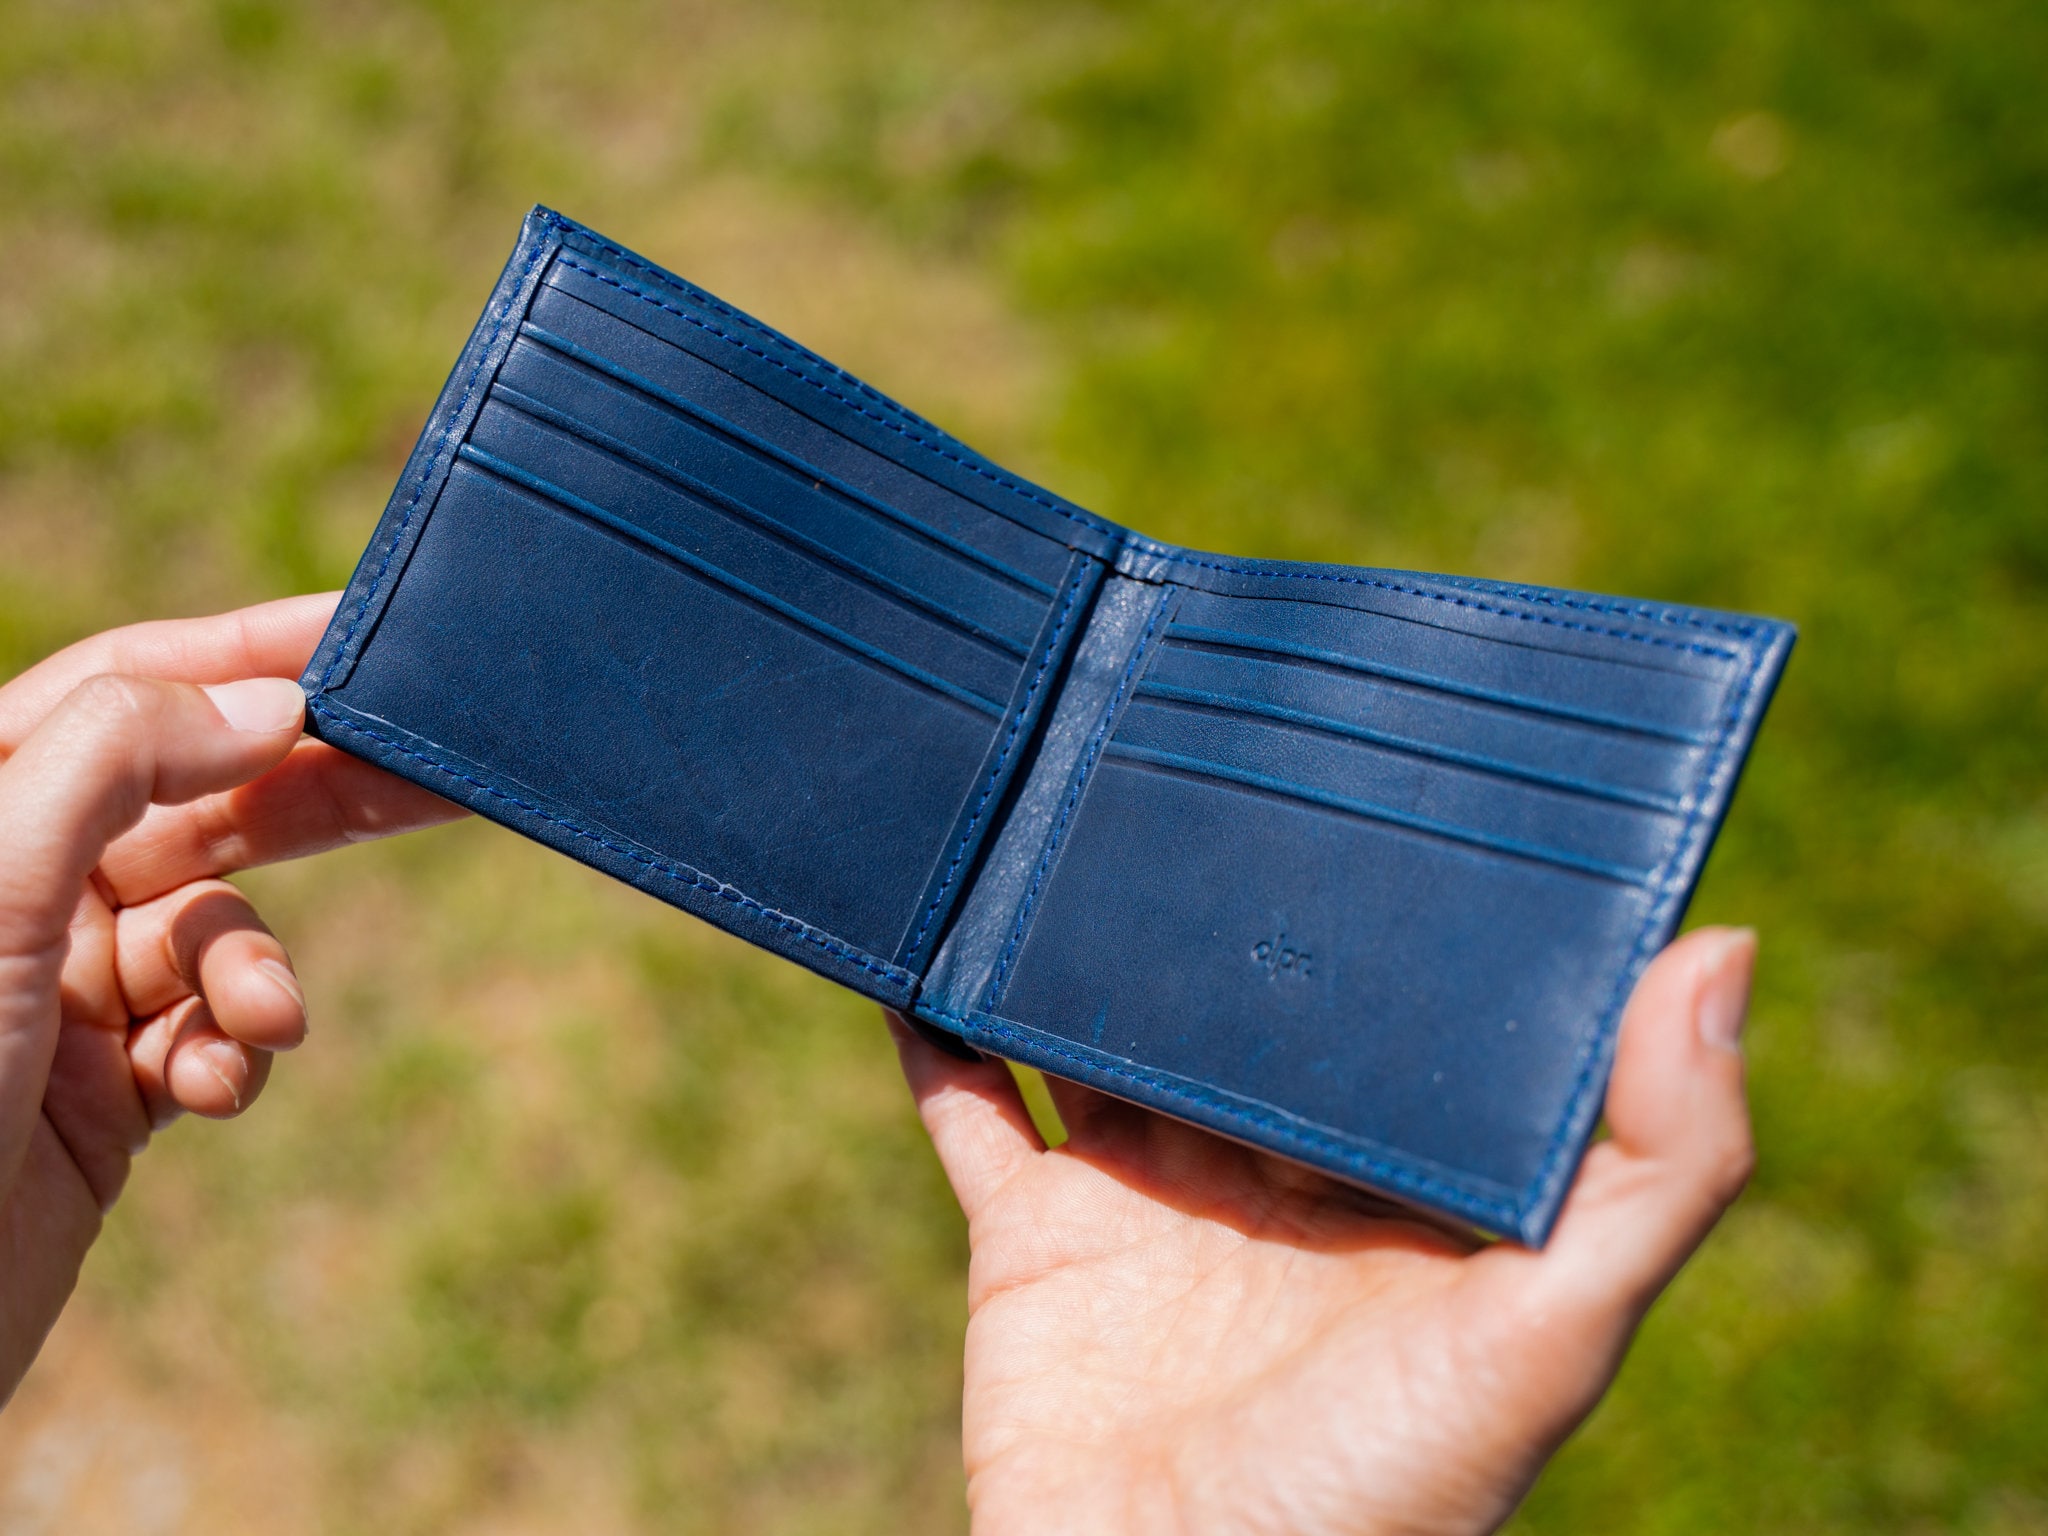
[572, 1205]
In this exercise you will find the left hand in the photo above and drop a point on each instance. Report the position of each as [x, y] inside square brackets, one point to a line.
[136, 768]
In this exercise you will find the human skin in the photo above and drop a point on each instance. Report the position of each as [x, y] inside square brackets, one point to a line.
[135, 984]
[1167, 1332]
[1170, 1334]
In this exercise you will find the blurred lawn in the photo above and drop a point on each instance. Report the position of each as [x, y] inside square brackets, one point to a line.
[575, 1215]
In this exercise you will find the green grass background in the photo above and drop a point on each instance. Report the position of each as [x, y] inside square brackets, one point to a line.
[572, 1205]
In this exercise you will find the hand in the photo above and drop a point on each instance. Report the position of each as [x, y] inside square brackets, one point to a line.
[1170, 1333]
[134, 983]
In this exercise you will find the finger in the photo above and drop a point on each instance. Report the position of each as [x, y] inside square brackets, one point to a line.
[1679, 1150]
[1092, 1119]
[268, 640]
[81, 777]
[95, 1105]
[182, 1062]
[212, 1075]
[149, 1060]
[88, 772]
[206, 939]
[316, 799]
[88, 993]
[977, 1119]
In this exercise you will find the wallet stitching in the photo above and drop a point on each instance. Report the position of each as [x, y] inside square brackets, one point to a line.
[1648, 612]
[691, 291]
[1462, 602]
[768, 333]
[1019, 490]
[1393, 1174]
[995, 772]
[1397, 1175]
[1081, 776]
[1624, 980]
[1509, 1212]
[855, 406]
[429, 472]
[681, 874]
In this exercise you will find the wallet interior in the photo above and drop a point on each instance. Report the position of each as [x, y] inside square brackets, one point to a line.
[1355, 865]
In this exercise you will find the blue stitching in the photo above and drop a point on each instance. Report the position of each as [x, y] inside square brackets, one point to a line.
[427, 471]
[995, 985]
[1743, 631]
[1009, 740]
[1461, 602]
[894, 426]
[690, 290]
[1393, 1174]
[1510, 1213]
[1645, 611]
[1624, 981]
[1388, 1173]
[679, 873]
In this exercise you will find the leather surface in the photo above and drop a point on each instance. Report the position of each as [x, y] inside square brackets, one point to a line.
[1357, 866]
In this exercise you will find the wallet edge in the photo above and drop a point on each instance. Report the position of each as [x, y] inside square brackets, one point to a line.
[1526, 1215]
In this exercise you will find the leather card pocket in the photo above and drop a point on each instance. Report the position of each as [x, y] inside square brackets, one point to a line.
[669, 608]
[663, 705]
[1437, 792]
[639, 335]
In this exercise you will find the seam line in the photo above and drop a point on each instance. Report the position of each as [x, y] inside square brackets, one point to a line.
[1599, 1046]
[428, 471]
[855, 406]
[699, 494]
[1394, 1175]
[681, 874]
[1017, 489]
[690, 290]
[995, 772]
[1081, 777]
[1717, 652]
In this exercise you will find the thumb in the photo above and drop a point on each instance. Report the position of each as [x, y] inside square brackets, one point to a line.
[1678, 1154]
[83, 776]
[101, 757]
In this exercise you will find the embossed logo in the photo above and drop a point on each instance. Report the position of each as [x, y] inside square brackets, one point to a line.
[1277, 958]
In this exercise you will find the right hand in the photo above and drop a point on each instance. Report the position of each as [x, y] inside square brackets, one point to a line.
[1170, 1332]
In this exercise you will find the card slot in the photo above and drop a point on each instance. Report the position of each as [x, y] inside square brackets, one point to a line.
[680, 433]
[564, 500]
[742, 549]
[790, 354]
[1265, 645]
[1671, 706]
[783, 531]
[817, 394]
[616, 327]
[644, 699]
[1556, 755]
[1165, 934]
[1507, 815]
[1223, 773]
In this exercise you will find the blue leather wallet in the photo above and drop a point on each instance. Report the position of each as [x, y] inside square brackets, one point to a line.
[1356, 866]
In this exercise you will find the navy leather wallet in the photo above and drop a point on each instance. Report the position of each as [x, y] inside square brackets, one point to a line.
[1356, 866]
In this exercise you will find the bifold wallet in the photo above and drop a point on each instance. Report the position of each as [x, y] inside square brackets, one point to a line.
[1356, 866]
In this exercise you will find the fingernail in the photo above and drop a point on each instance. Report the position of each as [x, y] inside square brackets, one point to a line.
[224, 1061]
[1724, 993]
[282, 978]
[263, 704]
[287, 983]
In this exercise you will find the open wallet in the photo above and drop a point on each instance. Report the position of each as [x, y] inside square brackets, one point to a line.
[1355, 866]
